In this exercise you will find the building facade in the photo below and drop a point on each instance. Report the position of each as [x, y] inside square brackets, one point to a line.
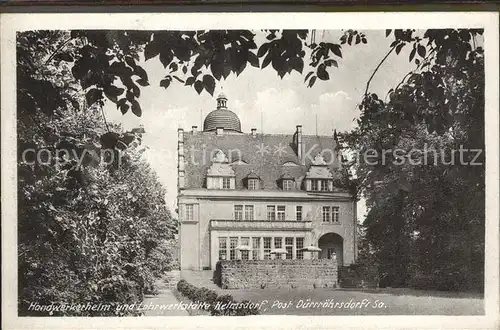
[242, 195]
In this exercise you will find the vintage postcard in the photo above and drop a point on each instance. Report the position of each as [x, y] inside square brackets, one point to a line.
[276, 170]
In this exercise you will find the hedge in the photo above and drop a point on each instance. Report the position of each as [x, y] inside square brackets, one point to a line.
[205, 295]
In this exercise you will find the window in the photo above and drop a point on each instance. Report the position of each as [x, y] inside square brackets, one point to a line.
[277, 242]
[281, 212]
[253, 184]
[324, 185]
[276, 213]
[249, 212]
[220, 182]
[256, 248]
[267, 248]
[244, 241]
[247, 215]
[326, 214]
[189, 212]
[271, 212]
[335, 213]
[233, 242]
[287, 184]
[298, 213]
[330, 214]
[289, 247]
[238, 212]
[222, 248]
[299, 244]
[314, 184]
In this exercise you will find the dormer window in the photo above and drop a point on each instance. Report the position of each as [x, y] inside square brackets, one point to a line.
[252, 181]
[314, 185]
[319, 177]
[286, 181]
[321, 185]
[324, 185]
[253, 184]
[220, 175]
[287, 184]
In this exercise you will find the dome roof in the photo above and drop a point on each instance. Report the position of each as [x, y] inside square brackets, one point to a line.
[222, 118]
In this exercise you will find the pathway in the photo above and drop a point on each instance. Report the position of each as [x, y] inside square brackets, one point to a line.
[164, 298]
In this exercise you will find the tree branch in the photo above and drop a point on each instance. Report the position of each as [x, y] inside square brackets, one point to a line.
[419, 67]
[57, 50]
[104, 118]
[376, 69]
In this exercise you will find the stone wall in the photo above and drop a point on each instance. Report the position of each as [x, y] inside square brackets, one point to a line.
[242, 274]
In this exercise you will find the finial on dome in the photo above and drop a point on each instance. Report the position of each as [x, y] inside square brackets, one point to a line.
[222, 101]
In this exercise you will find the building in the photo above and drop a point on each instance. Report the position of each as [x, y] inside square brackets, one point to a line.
[262, 191]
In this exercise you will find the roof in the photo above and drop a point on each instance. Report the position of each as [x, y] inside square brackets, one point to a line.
[252, 175]
[286, 176]
[269, 156]
[222, 118]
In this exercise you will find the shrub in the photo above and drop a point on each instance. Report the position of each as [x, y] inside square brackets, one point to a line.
[217, 277]
[246, 310]
[422, 282]
[222, 300]
[205, 295]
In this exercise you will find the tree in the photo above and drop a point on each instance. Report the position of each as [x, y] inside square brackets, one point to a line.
[428, 209]
[105, 63]
[100, 224]
[91, 214]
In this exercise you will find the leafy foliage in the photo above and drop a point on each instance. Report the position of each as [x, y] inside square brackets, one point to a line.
[92, 225]
[426, 214]
[215, 302]
[106, 63]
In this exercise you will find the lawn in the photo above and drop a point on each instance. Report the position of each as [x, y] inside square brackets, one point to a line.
[374, 302]
[354, 302]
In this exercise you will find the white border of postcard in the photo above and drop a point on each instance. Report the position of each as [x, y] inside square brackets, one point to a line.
[10, 23]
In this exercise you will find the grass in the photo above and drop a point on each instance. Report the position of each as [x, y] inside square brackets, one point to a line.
[387, 301]
[357, 302]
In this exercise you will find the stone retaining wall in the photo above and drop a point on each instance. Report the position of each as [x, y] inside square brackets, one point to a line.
[242, 274]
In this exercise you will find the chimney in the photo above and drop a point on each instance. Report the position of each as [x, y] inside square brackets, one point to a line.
[180, 159]
[254, 131]
[299, 141]
[220, 131]
[195, 129]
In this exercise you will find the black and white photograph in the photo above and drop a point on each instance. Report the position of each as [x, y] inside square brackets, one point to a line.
[209, 167]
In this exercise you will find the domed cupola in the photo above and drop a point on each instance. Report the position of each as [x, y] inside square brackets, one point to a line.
[222, 117]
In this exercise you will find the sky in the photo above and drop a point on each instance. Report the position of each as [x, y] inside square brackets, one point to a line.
[264, 101]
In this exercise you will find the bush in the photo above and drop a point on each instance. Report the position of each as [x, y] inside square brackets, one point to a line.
[217, 277]
[246, 310]
[422, 282]
[453, 281]
[205, 295]
[222, 300]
